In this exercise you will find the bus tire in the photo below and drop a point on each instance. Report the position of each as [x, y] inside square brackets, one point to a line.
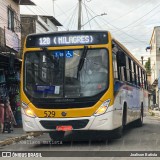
[139, 122]
[56, 136]
[124, 117]
[119, 131]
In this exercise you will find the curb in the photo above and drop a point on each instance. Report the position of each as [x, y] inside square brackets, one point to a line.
[18, 139]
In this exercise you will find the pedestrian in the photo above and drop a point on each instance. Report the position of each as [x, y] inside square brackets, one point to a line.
[1, 116]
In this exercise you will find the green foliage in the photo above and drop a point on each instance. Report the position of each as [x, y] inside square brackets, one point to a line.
[148, 66]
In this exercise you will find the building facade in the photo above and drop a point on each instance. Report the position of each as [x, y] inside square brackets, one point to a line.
[10, 46]
[37, 24]
[10, 26]
[155, 63]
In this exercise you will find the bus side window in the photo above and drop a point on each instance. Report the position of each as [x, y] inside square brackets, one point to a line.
[122, 76]
[115, 67]
[128, 70]
[121, 63]
[125, 70]
[135, 74]
[142, 78]
[118, 68]
[138, 76]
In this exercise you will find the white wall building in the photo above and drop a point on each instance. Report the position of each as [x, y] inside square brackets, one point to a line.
[10, 26]
[155, 62]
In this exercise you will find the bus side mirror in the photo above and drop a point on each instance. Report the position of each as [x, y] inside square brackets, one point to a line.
[121, 59]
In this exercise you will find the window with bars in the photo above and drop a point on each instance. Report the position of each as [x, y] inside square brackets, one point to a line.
[10, 19]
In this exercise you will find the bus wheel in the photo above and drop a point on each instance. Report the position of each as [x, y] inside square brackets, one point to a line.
[119, 132]
[124, 118]
[56, 136]
[139, 122]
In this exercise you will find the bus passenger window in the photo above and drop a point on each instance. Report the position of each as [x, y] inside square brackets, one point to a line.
[142, 78]
[130, 69]
[138, 76]
[133, 72]
[115, 69]
[125, 73]
[127, 70]
[121, 63]
[122, 75]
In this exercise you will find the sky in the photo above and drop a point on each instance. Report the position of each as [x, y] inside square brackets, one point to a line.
[131, 22]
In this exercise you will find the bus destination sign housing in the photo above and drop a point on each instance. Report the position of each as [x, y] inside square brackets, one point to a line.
[66, 39]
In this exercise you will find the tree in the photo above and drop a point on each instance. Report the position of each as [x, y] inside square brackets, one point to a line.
[148, 66]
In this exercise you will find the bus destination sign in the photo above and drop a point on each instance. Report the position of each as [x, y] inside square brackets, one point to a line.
[48, 40]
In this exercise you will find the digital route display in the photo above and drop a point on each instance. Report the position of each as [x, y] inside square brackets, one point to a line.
[66, 39]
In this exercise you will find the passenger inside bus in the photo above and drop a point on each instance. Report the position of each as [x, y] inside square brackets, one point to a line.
[94, 75]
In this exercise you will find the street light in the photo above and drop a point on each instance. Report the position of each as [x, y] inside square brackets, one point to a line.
[103, 14]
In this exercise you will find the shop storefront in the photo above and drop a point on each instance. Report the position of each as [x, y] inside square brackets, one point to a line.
[10, 115]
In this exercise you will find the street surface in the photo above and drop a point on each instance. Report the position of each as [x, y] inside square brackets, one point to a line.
[146, 138]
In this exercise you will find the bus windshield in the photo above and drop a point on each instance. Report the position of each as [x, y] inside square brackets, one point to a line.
[66, 73]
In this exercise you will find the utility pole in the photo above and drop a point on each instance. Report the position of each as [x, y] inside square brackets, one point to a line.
[142, 59]
[53, 9]
[79, 15]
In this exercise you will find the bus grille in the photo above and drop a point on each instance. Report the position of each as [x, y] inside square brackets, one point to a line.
[76, 124]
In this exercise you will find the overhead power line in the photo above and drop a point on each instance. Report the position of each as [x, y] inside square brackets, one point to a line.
[87, 13]
[132, 10]
[118, 28]
[131, 28]
[140, 17]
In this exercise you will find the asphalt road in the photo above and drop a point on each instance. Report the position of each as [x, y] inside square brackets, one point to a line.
[146, 138]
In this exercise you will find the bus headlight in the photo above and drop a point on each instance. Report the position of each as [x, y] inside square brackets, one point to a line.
[103, 108]
[27, 110]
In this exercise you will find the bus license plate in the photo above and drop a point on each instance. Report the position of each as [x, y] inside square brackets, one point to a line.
[64, 128]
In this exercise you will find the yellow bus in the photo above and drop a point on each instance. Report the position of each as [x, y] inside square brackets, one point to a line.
[80, 82]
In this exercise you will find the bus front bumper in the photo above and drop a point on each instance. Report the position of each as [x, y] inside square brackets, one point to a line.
[102, 122]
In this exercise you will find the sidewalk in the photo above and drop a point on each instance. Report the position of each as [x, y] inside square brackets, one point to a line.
[15, 136]
[154, 113]
[15, 133]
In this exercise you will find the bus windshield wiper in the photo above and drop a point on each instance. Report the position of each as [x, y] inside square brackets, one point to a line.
[82, 59]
